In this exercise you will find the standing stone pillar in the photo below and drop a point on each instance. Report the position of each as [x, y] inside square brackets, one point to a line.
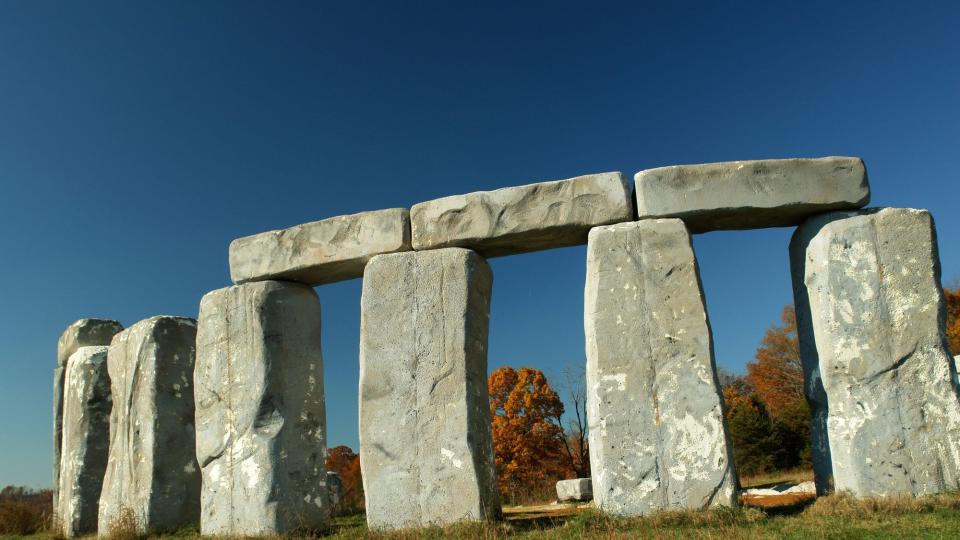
[83, 333]
[86, 440]
[261, 422]
[657, 433]
[870, 318]
[425, 441]
[152, 476]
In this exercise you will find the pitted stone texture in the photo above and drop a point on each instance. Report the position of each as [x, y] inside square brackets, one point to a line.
[886, 415]
[524, 218]
[320, 252]
[425, 441]
[152, 473]
[657, 433]
[578, 489]
[261, 423]
[752, 194]
[83, 333]
[86, 440]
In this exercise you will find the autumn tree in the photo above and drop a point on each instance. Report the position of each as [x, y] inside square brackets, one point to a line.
[528, 440]
[952, 297]
[576, 440]
[343, 461]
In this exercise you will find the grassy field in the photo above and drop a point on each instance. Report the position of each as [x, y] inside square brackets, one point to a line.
[836, 516]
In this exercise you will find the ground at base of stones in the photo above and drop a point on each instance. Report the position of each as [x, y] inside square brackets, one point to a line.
[834, 516]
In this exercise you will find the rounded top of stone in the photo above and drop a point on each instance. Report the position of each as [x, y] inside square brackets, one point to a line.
[85, 332]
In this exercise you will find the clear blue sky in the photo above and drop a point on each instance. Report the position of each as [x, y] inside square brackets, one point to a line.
[137, 139]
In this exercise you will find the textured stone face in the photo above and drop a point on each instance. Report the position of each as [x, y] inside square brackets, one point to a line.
[324, 251]
[152, 473]
[657, 433]
[261, 422]
[870, 320]
[524, 218]
[83, 333]
[578, 489]
[425, 440]
[86, 438]
[751, 194]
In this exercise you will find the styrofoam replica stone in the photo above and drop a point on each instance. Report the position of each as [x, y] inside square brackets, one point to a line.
[578, 489]
[524, 218]
[326, 251]
[261, 422]
[886, 414]
[657, 434]
[83, 333]
[425, 442]
[152, 475]
[86, 440]
[751, 194]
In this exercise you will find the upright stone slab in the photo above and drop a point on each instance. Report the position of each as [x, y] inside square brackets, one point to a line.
[524, 218]
[425, 440]
[320, 252]
[654, 406]
[152, 475]
[752, 194]
[83, 333]
[870, 319]
[261, 422]
[86, 438]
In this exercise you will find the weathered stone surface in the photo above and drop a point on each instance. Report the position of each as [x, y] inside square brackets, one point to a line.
[152, 474]
[578, 489]
[83, 333]
[86, 438]
[261, 422]
[751, 194]
[886, 415]
[320, 252]
[657, 433]
[524, 218]
[335, 492]
[425, 441]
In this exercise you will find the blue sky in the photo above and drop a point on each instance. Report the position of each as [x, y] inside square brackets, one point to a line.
[137, 139]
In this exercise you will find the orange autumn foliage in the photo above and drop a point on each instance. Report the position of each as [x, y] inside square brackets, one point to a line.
[776, 373]
[528, 440]
[952, 298]
[343, 461]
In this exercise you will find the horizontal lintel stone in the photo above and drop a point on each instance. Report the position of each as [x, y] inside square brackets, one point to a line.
[752, 194]
[325, 251]
[522, 219]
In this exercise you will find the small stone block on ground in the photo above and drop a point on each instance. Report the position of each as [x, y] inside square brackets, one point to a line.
[751, 194]
[152, 476]
[86, 440]
[658, 436]
[578, 489]
[261, 421]
[885, 409]
[425, 442]
[524, 218]
[325, 251]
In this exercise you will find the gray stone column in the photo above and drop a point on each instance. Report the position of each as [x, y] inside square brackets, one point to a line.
[261, 423]
[83, 333]
[657, 431]
[152, 475]
[425, 440]
[86, 438]
[870, 318]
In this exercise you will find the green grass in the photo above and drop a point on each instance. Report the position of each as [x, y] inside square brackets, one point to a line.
[836, 516]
